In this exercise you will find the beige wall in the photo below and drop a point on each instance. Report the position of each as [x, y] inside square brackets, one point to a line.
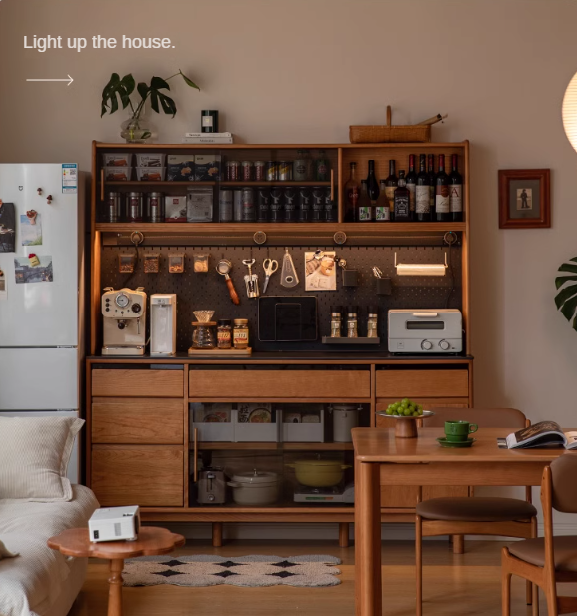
[302, 71]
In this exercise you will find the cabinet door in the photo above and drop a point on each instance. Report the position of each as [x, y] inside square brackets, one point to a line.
[149, 476]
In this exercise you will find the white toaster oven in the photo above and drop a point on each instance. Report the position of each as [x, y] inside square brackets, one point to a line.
[425, 331]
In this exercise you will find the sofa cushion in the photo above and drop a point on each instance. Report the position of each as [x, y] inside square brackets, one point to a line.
[34, 455]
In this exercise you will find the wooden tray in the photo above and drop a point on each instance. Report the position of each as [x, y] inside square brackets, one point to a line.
[415, 133]
[221, 352]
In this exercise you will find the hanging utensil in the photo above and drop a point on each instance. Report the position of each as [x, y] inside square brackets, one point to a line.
[288, 277]
[377, 272]
[223, 267]
[270, 266]
[251, 280]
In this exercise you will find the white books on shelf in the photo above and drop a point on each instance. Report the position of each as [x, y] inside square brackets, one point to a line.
[215, 140]
[193, 135]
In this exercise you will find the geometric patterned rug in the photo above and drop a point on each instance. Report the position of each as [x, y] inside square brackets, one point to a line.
[251, 571]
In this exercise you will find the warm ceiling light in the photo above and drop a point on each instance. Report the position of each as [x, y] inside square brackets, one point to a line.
[570, 112]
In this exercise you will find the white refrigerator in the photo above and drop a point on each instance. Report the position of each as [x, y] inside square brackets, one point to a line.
[41, 298]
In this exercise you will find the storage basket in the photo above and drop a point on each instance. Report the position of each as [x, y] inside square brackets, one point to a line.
[415, 133]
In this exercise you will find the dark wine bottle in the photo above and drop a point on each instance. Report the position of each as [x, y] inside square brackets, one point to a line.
[382, 208]
[364, 207]
[352, 191]
[402, 200]
[442, 207]
[455, 190]
[422, 205]
[372, 184]
[412, 183]
[391, 184]
[431, 169]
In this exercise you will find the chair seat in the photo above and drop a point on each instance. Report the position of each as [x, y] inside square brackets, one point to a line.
[533, 552]
[476, 509]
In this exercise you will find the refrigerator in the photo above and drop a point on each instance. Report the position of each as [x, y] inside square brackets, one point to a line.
[42, 292]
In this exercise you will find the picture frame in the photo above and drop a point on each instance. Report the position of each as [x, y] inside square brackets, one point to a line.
[524, 198]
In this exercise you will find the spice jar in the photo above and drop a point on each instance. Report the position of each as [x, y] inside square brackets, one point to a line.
[240, 334]
[126, 263]
[200, 263]
[151, 263]
[176, 263]
[373, 322]
[336, 321]
[224, 334]
[352, 322]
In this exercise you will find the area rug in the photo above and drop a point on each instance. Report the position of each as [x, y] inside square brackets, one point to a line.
[250, 571]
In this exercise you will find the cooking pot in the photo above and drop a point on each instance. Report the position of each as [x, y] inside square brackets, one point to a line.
[319, 473]
[255, 488]
[345, 418]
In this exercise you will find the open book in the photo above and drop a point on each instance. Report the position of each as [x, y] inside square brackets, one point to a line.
[542, 434]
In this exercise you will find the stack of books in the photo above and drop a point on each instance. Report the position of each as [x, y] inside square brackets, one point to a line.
[208, 138]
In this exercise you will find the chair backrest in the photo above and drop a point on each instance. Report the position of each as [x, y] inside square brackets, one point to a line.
[563, 484]
[484, 418]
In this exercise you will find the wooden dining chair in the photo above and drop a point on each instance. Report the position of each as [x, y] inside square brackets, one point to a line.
[459, 516]
[547, 560]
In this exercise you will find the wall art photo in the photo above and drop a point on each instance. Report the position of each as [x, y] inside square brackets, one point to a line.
[31, 228]
[320, 271]
[33, 269]
[524, 199]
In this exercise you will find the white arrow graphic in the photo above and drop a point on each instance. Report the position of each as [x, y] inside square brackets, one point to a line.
[69, 80]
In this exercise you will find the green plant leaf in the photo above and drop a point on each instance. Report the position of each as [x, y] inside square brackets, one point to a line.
[115, 88]
[154, 100]
[159, 84]
[569, 308]
[566, 298]
[168, 105]
[561, 280]
[188, 81]
[567, 267]
[565, 294]
[143, 90]
[129, 83]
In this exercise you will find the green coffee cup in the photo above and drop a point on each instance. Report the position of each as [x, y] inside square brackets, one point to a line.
[458, 430]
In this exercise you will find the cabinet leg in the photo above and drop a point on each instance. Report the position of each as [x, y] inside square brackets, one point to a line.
[343, 534]
[217, 534]
[458, 544]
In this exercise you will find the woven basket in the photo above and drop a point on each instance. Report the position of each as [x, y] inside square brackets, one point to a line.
[390, 134]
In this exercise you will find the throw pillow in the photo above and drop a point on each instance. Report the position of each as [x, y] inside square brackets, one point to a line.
[34, 454]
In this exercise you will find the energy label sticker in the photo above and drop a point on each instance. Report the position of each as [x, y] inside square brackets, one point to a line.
[70, 179]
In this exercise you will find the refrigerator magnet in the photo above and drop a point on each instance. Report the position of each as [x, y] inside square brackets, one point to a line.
[7, 227]
[31, 228]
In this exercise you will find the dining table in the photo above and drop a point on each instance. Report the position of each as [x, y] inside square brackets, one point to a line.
[382, 459]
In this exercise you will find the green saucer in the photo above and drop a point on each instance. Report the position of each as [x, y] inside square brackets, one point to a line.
[445, 443]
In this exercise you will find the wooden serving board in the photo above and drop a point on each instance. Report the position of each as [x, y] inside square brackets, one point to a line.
[221, 352]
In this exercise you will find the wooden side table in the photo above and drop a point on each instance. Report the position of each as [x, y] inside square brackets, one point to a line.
[151, 542]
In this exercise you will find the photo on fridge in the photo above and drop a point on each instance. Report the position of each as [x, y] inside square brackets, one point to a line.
[33, 268]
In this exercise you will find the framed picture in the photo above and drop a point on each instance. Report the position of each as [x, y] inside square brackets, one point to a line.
[524, 199]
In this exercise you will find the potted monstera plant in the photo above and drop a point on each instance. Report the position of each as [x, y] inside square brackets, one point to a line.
[566, 298]
[117, 92]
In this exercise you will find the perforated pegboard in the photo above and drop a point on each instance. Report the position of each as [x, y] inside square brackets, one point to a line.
[208, 291]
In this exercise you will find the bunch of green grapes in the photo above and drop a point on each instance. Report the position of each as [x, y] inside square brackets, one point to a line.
[405, 407]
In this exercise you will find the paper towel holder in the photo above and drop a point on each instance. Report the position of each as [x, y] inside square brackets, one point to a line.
[421, 269]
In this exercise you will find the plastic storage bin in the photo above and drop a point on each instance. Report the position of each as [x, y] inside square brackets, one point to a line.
[213, 421]
[151, 174]
[117, 174]
[303, 432]
[247, 431]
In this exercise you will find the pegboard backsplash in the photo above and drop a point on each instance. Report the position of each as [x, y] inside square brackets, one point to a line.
[208, 291]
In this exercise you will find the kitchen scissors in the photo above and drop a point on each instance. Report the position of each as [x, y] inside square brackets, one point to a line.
[270, 266]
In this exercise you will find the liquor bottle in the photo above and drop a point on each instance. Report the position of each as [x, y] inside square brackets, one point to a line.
[391, 184]
[412, 183]
[402, 200]
[442, 207]
[422, 206]
[364, 207]
[372, 184]
[322, 167]
[431, 166]
[382, 208]
[352, 191]
[456, 190]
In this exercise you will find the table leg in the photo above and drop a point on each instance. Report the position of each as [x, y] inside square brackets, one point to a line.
[367, 540]
[115, 591]
[343, 534]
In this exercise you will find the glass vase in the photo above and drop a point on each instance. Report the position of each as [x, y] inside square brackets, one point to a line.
[136, 130]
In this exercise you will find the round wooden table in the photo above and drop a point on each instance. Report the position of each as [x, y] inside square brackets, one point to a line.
[151, 542]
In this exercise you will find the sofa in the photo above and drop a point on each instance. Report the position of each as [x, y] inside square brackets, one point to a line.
[37, 502]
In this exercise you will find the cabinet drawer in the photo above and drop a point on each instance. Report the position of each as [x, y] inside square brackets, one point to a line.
[425, 383]
[149, 476]
[155, 383]
[148, 421]
[330, 384]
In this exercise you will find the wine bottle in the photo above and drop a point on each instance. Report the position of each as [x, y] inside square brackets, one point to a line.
[372, 184]
[442, 207]
[412, 183]
[431, 166]
[364, 207]
[402, 200]
[422, 207]
[352, 192]
[391, 184]
[382, 208]
[455, 190]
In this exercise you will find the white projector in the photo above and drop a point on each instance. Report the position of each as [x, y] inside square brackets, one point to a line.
[114, 524]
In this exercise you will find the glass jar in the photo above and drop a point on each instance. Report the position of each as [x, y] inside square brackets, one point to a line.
[336, 321]
[373, 322]
[352, 322]
[240, 334]
[300, 167]
[203, 335]
[224, 334]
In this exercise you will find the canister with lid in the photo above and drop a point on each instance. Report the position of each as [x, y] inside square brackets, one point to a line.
[336, 321]
[113, 207]
[240, 333]
[373, 322]
[224, 334]
[134, 207]
[155, 206]
[345, 418]
[225, 211]
[352, 322]
[237, 205]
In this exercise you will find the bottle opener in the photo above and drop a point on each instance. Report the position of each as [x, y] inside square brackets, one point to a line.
[288, 277]
[251, 280]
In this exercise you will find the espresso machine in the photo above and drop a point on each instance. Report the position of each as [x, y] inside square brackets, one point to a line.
[124, 320]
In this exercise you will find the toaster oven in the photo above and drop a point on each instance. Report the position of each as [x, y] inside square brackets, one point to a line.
[425, 331]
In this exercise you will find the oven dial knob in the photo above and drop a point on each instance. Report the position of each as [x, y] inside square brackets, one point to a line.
[444, 345]
[426, 345]
[211, 497]
[136, 308]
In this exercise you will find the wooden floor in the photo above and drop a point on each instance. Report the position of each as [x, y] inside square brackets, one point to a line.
[454, 585]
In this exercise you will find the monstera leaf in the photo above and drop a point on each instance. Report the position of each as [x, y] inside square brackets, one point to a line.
[566, 298]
